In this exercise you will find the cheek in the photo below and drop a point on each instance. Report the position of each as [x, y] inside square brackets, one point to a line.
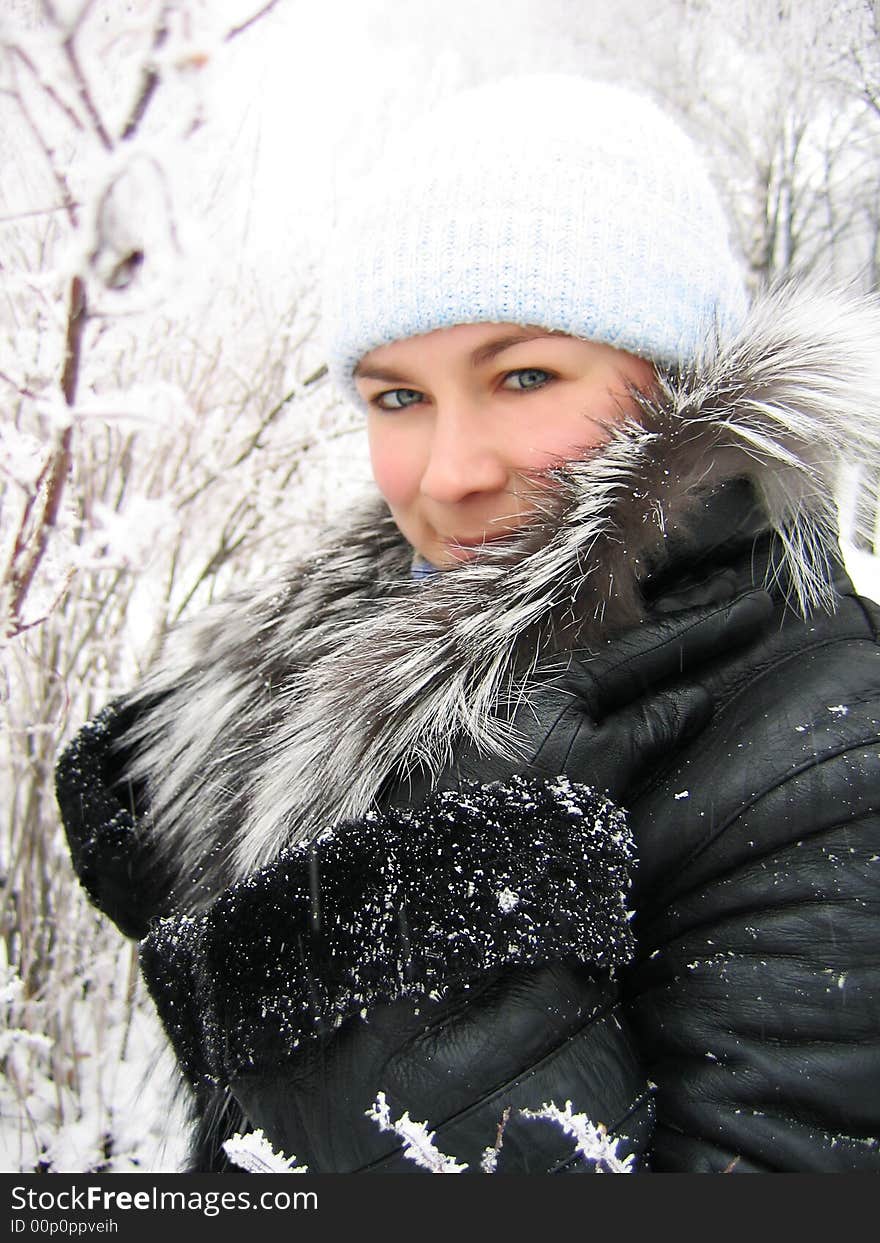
[567, 428]
[562, 436]
[394, 464]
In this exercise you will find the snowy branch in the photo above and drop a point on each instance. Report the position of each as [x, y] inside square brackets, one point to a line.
[46, 87]
[149, 81]
[251, 21]
[83, 88]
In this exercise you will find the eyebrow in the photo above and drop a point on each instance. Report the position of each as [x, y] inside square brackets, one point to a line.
[482, 354]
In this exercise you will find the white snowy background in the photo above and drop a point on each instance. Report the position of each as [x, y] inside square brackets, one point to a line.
[166, 429]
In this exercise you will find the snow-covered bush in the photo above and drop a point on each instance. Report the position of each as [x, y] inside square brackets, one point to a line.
[156, 428]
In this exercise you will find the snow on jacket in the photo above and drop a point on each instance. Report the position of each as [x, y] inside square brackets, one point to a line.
[243, 785]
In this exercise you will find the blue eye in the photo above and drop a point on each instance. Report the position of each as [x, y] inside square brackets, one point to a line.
[528, 378]
[406, 397]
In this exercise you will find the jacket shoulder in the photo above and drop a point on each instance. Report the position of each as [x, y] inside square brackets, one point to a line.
[759, 914]
[798, 710]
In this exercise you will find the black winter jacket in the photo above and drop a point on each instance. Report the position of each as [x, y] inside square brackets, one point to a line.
[717, 1005]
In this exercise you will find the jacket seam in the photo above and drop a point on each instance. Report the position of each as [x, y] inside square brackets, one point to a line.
[768, 1109]
[807, 766]
[781, 661]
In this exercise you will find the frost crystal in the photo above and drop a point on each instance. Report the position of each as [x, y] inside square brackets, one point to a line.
[254, 1154]
[507, 899]
[418, 1140]
[489, 1160]
[593, 1142]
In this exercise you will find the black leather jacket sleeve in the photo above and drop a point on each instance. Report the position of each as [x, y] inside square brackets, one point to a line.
[757, 997]
[466, 1065]
[460, 957]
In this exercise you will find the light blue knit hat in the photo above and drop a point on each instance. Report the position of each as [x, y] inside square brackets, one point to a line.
[552, 200]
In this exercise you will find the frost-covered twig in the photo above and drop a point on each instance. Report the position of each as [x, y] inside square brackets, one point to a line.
[47, 87]
[419, 1143]
[250, 21]
[29, 552]
[489, 1162]
[82, 85]
[58, 175]
[30, 545]
[594, 1143]
[254, 1154]
[149, 81]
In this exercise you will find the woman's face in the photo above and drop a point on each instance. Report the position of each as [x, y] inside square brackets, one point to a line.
[463, 420]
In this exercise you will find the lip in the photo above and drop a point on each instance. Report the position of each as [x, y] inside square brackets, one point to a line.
[459, 541]
[476, 541]
[462, 549]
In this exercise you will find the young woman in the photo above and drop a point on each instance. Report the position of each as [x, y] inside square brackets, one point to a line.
[553, 775]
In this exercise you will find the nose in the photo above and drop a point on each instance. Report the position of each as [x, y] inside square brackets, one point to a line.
[465, 457]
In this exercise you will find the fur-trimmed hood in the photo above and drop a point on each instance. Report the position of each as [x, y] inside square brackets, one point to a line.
[283, 710]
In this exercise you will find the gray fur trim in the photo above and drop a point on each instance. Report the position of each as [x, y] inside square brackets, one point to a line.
[281, 711]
